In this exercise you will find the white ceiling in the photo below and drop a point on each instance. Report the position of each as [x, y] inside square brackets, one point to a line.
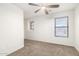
[29, 10]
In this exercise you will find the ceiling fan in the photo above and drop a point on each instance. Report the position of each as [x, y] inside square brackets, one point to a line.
[43, 7]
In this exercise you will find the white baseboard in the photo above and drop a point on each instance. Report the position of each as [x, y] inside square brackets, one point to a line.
[51, 42]
[77, 48]
[13, 50]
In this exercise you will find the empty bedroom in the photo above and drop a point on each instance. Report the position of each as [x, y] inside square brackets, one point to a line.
[39, 29]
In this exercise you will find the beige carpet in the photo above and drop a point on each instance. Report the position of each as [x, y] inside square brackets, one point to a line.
[36, 48]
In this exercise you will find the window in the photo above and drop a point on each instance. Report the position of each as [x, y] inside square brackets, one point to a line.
[31, 25]
[61, 26]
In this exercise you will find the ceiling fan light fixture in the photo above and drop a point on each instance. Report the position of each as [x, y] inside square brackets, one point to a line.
[43, 8]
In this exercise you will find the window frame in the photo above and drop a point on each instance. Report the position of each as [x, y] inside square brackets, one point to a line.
[62, 26]
[31, 25]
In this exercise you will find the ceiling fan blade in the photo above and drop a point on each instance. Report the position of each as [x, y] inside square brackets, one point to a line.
[46, 12]
[37, 10]
[52, 6]
[33, 4]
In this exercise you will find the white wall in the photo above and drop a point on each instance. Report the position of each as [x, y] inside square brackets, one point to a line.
[70, 39]
[11, 29]
[44, 28]
[77, 28]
